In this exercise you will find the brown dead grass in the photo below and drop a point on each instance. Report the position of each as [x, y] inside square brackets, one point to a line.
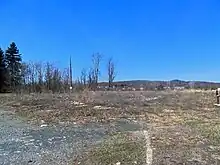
[185, 124]
[62, 108]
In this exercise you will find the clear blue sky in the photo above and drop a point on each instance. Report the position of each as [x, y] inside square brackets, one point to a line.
[149, 39]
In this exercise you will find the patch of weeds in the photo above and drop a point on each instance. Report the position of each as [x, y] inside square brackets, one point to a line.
[194, 123]
[209, 130]
[118, 148]
[25, 114]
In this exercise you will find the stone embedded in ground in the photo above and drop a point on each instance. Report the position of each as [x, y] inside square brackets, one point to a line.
[43, 125]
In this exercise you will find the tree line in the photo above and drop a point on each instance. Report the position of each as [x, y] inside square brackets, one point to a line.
[19, 76]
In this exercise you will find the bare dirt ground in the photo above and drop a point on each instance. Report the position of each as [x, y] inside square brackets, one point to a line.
[183, 126]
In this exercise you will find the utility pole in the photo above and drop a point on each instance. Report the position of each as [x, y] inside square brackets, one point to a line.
[71, 80]
[168, 84]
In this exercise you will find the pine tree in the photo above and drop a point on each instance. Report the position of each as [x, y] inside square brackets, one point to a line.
[3, 74]
[13, 65]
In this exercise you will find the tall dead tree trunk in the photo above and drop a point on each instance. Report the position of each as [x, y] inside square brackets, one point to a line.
[111, 72]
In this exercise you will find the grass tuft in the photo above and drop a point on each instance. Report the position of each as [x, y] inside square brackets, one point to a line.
[118, 148]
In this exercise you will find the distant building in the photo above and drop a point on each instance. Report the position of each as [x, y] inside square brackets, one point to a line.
[179, 88]
[141, 88]
[167, 88]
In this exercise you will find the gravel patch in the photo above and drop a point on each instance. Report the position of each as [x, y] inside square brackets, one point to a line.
[21, 143]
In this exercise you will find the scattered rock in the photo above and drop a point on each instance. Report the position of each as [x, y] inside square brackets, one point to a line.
[101, 107]
[62, 123]
[168, 110]
[77, 103]
[30, 161]
[43, 125]
[16, 104]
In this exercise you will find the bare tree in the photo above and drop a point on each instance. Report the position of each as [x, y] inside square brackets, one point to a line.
[48, 75]
[78, 85]
[192, 84]
[83, 77]
[39, 76]
[95, 71]
[111, 71]
[32, 76]
[25, 73]
[56, 80]
[65, 79]
[90, 78]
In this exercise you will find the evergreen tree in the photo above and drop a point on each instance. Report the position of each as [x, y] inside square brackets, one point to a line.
[14, 66]
[3, 75]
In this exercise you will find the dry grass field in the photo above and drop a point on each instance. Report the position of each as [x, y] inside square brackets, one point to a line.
[183, 126]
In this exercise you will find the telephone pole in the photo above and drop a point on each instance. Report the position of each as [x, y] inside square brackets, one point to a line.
[168, 84]
[71, 80]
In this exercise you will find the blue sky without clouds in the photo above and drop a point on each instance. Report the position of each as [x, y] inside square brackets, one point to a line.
[149, 39]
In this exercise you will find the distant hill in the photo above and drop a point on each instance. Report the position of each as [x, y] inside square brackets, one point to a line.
[147, 84]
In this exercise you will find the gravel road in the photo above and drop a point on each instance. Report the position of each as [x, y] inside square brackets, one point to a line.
[22, 143]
